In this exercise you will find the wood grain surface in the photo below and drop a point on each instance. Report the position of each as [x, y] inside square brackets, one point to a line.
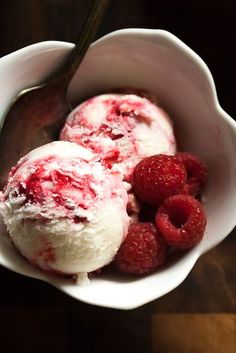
[199, 315]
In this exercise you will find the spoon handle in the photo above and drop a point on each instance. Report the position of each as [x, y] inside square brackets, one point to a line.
[88, 32]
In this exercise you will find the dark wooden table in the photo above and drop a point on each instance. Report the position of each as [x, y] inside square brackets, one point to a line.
[197, 317]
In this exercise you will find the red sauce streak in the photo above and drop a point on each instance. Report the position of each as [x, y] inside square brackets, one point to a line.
[36, 190]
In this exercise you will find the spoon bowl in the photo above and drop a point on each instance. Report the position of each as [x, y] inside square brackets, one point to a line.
[37, 113]
[172, 71]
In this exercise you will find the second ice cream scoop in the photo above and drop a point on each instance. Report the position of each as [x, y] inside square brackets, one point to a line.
[120, 129]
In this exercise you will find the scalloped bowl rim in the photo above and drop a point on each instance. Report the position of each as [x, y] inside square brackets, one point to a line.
[86, 295]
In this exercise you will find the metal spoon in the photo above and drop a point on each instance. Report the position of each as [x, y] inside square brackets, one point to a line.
[38, 113]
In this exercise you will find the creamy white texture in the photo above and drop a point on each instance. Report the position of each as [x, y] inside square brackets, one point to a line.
[62, 149]
[62, 246]
[121, 130]
[64, 211]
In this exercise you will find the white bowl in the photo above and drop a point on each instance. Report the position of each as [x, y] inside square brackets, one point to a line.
[159, 62]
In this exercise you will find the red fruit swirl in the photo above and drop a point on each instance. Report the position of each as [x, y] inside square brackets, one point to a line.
[43, 184]
[117, 124]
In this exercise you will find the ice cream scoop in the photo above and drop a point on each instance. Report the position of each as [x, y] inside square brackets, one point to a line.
[65, 212]
[121, 129]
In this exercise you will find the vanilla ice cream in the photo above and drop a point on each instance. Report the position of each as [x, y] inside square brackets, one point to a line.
[65, 212]
[120, 129]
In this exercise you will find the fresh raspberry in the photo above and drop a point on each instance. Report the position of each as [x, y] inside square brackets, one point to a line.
[196, 173]
[158, 177]
[142, 250]
[181, 220]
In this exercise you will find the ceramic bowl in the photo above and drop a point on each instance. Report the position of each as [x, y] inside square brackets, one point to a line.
[158, 61]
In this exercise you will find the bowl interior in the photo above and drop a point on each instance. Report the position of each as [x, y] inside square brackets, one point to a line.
[160, 63]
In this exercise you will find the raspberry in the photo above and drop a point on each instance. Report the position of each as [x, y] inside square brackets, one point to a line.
[158, 177]
[196, 173]
[142, 250]
[181, 220]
